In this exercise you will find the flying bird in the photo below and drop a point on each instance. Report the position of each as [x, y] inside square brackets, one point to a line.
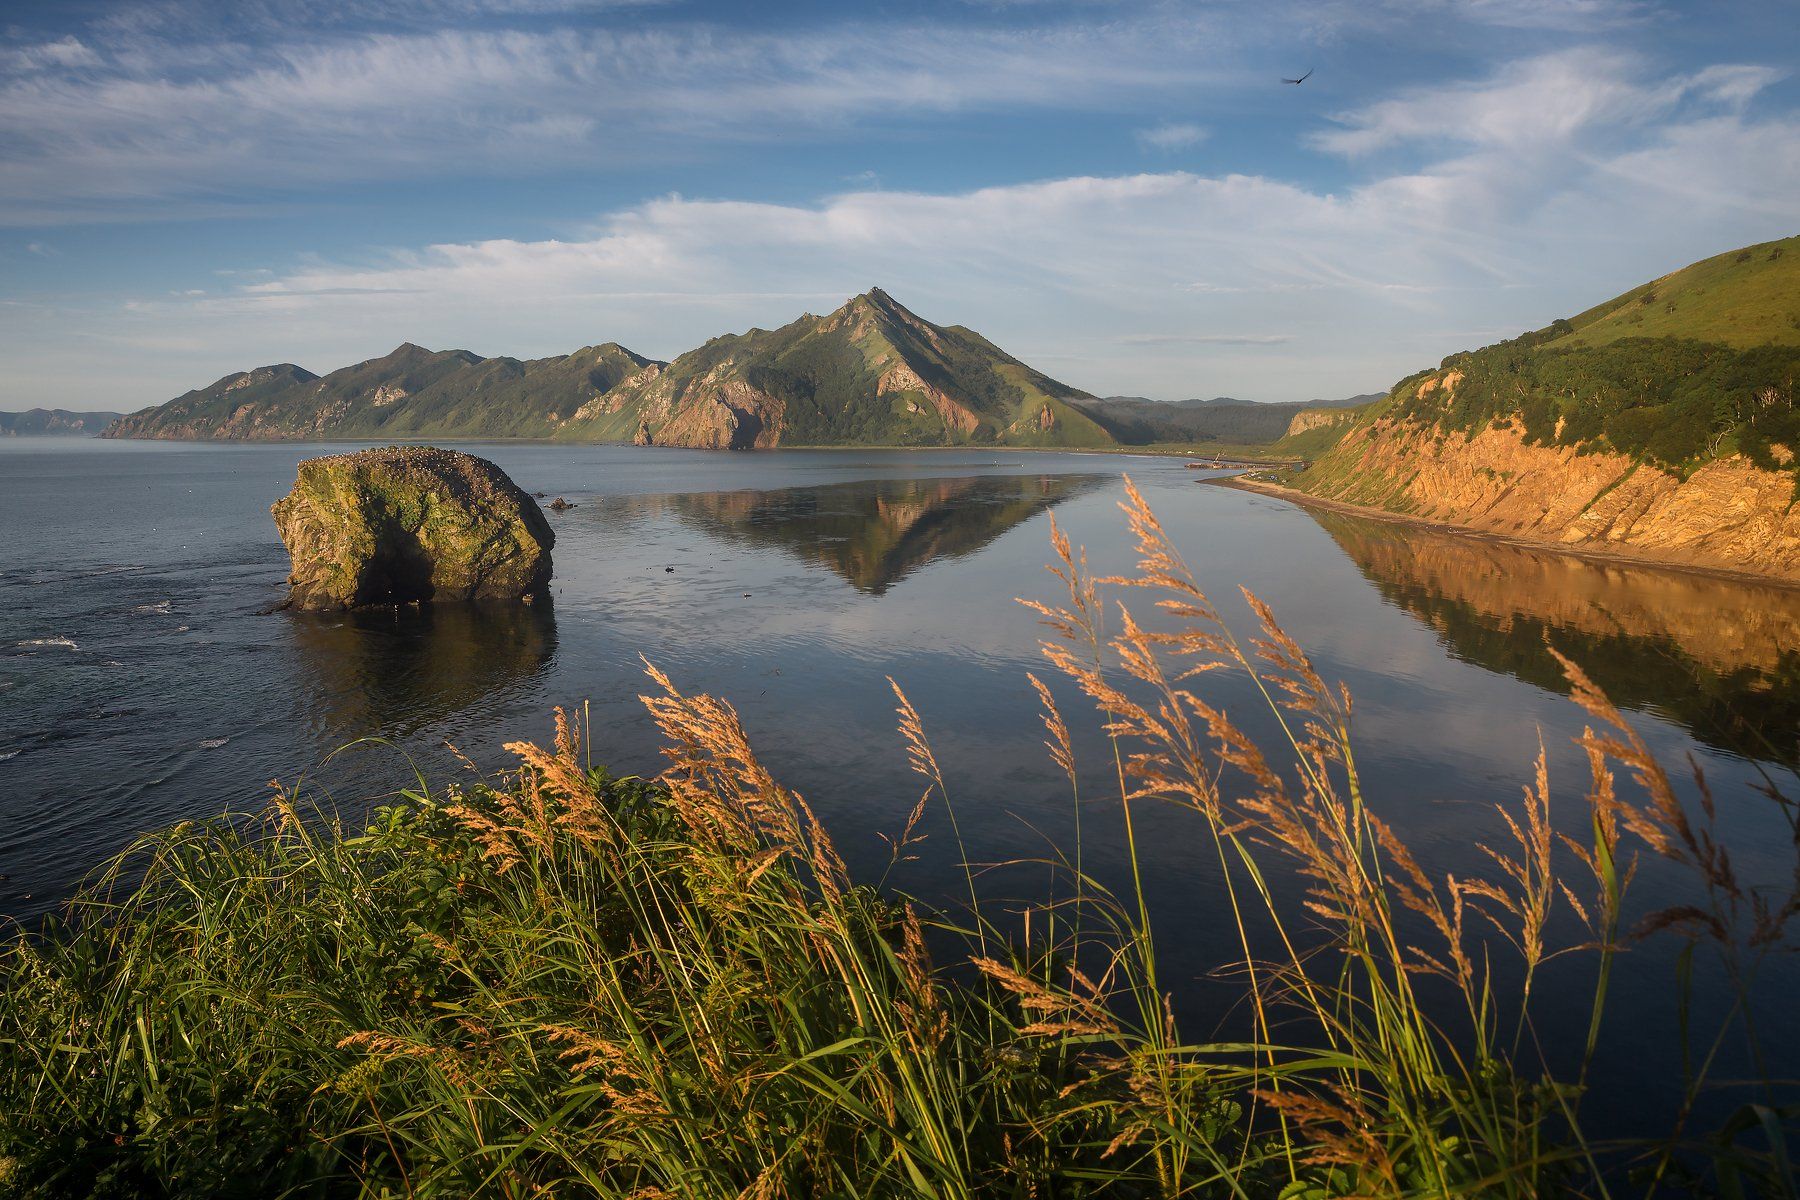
[1302, 79]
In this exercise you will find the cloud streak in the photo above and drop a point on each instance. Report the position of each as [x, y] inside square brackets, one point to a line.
[1171, 137]
[139, 120]
[1542, 104]
[1206, 339]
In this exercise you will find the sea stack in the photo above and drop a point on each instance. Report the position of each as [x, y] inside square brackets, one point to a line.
[410, 525]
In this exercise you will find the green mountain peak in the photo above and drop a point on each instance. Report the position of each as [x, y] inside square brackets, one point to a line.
[872, 372]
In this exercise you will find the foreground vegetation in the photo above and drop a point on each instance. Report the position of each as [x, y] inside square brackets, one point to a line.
[566, 983]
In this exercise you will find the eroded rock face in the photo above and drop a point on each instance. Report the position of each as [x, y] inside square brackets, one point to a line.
[1727, 514]
[1318, 418]
[410, 524]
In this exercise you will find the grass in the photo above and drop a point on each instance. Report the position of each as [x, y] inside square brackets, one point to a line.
[562, 983]
[1743, 298]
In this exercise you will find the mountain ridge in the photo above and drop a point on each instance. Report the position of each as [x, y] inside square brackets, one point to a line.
[870, 372]
[54, 422]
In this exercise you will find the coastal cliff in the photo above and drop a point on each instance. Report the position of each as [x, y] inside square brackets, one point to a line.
[1660, 425]
[1727, 514]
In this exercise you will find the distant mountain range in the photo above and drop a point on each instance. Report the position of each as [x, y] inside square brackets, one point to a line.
[1136, 420]
[54, 422]
[871, 373]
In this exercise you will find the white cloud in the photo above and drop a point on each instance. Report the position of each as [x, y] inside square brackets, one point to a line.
[63, 54]
[170, 119]
[1563, 15]
[1171, 137]
[1540, 104]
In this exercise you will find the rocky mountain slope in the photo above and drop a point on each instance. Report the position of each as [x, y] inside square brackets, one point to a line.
[1661, 424]
[54, 422]
[871, 373]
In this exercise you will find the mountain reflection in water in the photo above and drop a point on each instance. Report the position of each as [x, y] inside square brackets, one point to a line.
[1720, 657]
[398, 669]
[873, 533]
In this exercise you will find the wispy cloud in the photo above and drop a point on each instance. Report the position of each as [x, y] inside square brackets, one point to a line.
[156, 119]
[1171, 137]
[1569, 16]
[1541, 104]
[1205, 339]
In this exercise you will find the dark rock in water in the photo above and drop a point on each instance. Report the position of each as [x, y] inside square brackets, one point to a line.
[559, 505]
[410, 524]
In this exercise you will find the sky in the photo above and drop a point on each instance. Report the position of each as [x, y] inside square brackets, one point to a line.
[1125, 195]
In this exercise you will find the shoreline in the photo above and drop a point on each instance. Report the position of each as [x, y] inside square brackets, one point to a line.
[1608, 557]
[1174, 450]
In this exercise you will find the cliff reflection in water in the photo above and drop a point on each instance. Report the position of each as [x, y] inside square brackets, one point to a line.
[875, 533]
[1720, 657]
[395, 670]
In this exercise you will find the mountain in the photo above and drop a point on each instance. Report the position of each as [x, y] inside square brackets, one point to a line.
[54, 422]
[1137, 421]
[871, 373]
[1660, 424]
[412, 392]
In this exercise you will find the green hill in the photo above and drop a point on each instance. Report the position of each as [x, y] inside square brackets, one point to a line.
[1743, 298]
[1660, 425]
[1697, 365]
[871, 373]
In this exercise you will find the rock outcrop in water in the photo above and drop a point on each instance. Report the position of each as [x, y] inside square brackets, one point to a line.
[410, 524]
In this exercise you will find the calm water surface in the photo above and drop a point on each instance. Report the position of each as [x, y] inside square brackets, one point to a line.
[145, 679]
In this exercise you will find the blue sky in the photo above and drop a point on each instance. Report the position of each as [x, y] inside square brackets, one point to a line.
[1122, 194]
